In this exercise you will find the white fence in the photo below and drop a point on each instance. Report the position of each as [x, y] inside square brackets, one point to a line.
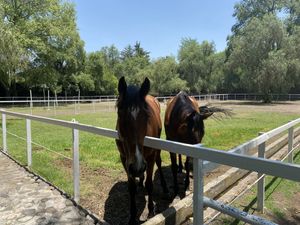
[52, 106]
[204, 159]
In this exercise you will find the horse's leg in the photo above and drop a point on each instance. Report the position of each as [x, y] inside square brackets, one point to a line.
[174, 171]
[121, 150]
[149, 184]
[187, 175]
[141, 180]
[132, 192]
[180, 166]
[162, 177]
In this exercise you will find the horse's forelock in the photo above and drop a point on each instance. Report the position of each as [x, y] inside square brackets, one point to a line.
[132, 100]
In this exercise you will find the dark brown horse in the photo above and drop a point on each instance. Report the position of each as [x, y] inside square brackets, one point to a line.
[184, 123]
[138, 116]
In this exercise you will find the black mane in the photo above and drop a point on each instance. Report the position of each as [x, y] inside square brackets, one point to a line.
[183, 106]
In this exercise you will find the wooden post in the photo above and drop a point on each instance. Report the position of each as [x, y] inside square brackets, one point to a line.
[28, 138]
[4, 140]
[290, 144]
[198, 192]
[76, 170]
[261, 182]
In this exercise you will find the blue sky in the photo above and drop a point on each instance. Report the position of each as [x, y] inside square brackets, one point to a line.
[159, 25]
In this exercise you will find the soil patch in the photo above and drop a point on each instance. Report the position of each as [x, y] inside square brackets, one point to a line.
[104, 191]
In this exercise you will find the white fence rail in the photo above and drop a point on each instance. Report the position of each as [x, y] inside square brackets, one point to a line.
[212, 96]
[213, 157]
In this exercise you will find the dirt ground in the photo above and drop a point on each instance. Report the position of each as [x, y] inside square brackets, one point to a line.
[242, 106]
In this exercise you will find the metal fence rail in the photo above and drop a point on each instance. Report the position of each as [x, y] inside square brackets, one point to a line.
[198, 153]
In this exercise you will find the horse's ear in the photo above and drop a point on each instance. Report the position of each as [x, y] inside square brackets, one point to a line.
[145, 88]
[122, 86]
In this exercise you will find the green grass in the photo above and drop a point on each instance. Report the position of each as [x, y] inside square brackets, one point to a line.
[100, 152]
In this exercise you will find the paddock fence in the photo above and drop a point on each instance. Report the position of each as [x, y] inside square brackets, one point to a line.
[204, 160]
[50, 106]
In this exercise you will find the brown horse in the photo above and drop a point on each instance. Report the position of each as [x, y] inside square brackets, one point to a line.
[138, 116]
[184, 123]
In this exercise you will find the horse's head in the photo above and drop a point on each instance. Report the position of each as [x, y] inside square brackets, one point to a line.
[192, 129]
[132, 124]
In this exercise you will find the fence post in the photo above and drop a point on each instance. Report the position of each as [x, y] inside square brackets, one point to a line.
[198, 191]
[4, 132]
[28, 138]
[76, 170]
[290, 145]
[261, 182]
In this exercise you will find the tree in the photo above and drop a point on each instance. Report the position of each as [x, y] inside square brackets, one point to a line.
[86, 83]
[164, 75]
[104, 79]
[13, 59]
[133, 60]
[258, 57]
[245, 10]
[48, 35]
[111, 56]
[196, 62]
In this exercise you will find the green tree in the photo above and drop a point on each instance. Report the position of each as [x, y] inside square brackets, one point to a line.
[258, 56]
[48, 35]
[245, 10]
[133, 61]
[104, 79]
[86, 83]
[13, 59]
[164, 75]
[196, 63]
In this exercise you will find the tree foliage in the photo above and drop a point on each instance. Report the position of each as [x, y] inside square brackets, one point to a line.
[196, 63]
[165, 77]
[262, 50]
[48, 37]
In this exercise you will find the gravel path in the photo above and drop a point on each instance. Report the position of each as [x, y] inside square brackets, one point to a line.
[27, 200]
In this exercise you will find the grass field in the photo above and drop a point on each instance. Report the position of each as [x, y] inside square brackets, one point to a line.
[98, 155]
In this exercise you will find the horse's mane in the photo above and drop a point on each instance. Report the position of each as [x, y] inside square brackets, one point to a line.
[181, 107]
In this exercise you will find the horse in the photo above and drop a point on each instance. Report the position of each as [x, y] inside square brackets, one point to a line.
[138, 116]
[184, 123]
